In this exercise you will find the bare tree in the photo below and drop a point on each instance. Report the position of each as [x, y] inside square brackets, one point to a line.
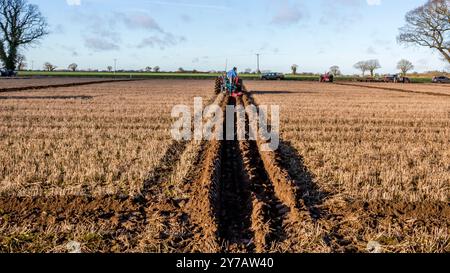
[148, 69]
[429, 26]
[21, 24]
[373, 65]
[49, 67]
[335, 70]
[405, 66]
[73, 67]
[156, 69]
[362, 65]
[21, 62]
[110, 68]
[294, 69]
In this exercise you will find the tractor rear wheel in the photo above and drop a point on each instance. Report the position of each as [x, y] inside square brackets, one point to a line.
[218, 86]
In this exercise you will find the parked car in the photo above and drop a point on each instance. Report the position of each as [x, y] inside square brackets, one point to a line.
[396, 79]
[272, 76]
[441, 79]
[8, 73]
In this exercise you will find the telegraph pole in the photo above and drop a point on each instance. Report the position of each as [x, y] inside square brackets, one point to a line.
[257, 61]
[115, 67]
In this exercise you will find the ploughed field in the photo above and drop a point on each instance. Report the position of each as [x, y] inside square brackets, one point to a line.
[23, 83]
[358, 170]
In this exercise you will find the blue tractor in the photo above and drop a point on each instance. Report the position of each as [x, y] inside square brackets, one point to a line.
[234, 87]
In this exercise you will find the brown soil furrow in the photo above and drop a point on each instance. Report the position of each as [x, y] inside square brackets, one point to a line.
[235, 202]
[114, 222]
[39, 87]
[179, 231]
[284, 187]
[268, 212]
[394, 89]
[242, 199]
[222, 203]
[203, 206]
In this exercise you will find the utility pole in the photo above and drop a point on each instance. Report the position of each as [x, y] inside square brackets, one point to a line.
[32, 65]
[115, 67]
[257, 61]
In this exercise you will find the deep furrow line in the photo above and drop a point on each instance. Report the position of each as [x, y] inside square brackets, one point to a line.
[243, 196]
[284, 186]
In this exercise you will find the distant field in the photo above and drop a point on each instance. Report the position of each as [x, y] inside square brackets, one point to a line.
[162, 75]
[174, 75]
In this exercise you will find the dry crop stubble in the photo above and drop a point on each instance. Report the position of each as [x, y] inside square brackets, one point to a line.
[123, 129]
[106, 144]
[368, 165]
[375, 164]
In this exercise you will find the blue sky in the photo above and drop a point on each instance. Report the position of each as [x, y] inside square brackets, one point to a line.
[202, 34]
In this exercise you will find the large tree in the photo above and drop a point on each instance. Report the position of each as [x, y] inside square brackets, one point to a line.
[373, 65]
[429, 26]
[73, 67]
[362, 65]
[294, 69]
[335, 70]
[49, 67]
[21, 24]
[404, 66]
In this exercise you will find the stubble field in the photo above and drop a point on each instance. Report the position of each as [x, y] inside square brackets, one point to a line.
[358, 169]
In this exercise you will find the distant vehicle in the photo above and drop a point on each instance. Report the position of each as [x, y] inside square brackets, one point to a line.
[441, 79]
[328, 77]
[396, 79]
[8, 73]
[272, 76]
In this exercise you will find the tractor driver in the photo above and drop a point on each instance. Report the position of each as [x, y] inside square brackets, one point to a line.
[232, 74]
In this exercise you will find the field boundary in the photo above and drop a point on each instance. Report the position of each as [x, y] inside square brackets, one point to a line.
[395, 89]
[39, 87]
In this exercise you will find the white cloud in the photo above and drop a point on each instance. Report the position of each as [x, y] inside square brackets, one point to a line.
[374, 2]
[371, 51]
[288, 13]
[73, 2]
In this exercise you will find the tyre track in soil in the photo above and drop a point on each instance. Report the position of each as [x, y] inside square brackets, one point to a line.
[243, 198]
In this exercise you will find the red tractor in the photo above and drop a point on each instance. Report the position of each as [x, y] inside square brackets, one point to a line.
[327, 77]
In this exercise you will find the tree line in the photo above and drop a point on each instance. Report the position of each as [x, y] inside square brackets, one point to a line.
[22, 24]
